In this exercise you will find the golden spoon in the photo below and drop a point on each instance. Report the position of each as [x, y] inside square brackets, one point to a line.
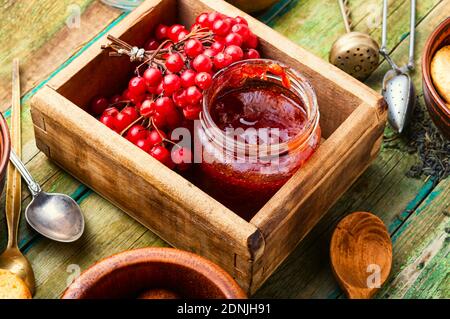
[12, 259]
[361, 254]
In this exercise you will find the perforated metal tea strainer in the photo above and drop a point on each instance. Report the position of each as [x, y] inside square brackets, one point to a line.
[354, 52]
[398, 88]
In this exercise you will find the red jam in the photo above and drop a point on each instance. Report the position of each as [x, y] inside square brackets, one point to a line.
[260, 105]
[275, 136]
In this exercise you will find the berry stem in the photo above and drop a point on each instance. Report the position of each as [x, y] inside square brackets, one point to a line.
[160, 135]
[156, 57]
[127, 103]
[129, 126]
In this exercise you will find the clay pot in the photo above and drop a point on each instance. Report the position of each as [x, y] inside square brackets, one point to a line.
[252, 5]
[154, 273]
[439, 110]
[5, 148]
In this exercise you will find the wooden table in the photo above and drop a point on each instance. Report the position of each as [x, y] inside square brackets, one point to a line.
[416, 211]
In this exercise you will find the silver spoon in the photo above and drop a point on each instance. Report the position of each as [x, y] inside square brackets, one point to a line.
[398, 88]
[56, 216]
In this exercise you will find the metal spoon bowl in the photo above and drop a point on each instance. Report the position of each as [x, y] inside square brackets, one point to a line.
[399, 93]
[55, 216]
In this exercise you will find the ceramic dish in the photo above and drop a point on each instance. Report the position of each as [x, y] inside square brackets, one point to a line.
[438, 109]
[154, 273]
[5, 148]
[252, 6]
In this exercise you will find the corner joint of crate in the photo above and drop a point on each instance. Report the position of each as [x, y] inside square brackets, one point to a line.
[376, 147]
[37, 111]
[38, 120]
[256, 244]
[44, 148]
[381, 109]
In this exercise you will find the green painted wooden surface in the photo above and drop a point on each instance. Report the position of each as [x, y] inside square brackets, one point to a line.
[43, 35]
[415, 211]
[422, 263]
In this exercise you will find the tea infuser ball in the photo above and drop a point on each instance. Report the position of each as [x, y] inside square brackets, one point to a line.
[356, 53]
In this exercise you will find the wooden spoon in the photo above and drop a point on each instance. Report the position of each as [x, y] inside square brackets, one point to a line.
[361, 254]
[12, 259]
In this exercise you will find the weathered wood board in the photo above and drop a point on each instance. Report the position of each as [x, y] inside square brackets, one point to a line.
[43, 35]
[306, 273]
[422, 264]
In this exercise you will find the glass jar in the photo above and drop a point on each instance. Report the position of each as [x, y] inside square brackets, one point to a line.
[259, 124]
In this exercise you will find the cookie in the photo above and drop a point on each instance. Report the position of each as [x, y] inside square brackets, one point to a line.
[440, 72]
[12, 287]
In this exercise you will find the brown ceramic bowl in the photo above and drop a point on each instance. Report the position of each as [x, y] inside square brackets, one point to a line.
[438, 109]
[159, 273]
[5, 148]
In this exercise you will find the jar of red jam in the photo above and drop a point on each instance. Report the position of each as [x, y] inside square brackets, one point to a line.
[258, 126]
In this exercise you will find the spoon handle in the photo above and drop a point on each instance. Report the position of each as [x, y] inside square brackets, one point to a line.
[33, 186]
[13, 182]
[345, 11]
[383, 48]
[412, 34]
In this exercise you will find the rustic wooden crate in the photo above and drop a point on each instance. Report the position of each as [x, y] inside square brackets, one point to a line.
[352, 120]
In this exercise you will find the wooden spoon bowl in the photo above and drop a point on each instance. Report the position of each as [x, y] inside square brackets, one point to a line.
[361, 254]
[154, 273]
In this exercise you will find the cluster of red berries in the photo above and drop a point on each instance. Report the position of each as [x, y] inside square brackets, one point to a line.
[169, 93]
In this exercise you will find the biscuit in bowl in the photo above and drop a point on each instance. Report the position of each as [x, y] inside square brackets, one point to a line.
[12, 287]
[440, 72]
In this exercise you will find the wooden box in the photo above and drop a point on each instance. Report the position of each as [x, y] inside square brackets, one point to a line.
[352, 120]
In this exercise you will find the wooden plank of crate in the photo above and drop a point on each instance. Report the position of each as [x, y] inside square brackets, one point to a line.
[36, 32]
[421, 268]
[369, 193]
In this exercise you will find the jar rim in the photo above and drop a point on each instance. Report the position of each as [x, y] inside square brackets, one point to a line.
[308, 97]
